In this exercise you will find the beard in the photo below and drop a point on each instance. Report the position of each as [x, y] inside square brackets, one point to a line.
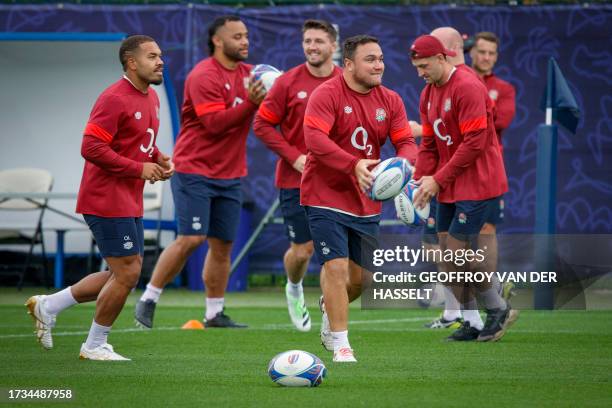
[367, 81]
[157, 81]
[316, 64]
[234, 54]
[322, 59]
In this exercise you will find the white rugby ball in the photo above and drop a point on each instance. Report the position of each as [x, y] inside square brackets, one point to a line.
[406, 210]
[296, 368]
[390, 176]
[267, 74]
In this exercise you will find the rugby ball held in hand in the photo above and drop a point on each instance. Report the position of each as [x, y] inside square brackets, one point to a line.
[267, 74]
[405, 208]
[390, 176]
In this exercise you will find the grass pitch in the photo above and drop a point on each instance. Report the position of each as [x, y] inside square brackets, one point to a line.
[556, 359]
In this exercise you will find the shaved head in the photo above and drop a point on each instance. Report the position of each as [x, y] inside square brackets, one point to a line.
[452, 40]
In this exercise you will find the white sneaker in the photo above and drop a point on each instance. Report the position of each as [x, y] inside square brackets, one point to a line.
[327, 341]
[43, 321]
[298, 311]
[103, 352]
[344, 355]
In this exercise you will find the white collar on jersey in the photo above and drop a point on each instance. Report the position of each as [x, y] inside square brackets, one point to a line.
[449, 75]
[131, 83]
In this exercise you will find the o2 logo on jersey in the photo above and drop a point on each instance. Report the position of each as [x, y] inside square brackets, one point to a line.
[364, 140]
[237, 101]
[446, 138]
[149, 149]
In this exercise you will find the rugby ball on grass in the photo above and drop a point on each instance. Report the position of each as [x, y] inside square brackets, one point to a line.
[390, 176]
[296, 368]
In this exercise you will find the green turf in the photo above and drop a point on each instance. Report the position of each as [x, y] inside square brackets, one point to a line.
[556, 359]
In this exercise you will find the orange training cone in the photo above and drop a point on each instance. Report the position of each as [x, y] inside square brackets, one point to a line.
[193, 325]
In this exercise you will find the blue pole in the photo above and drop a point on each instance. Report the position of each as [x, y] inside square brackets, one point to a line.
[546, 199]
[59, 260]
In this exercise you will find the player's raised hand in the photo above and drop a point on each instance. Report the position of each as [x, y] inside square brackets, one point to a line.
[300, 163]
[166, 163]
[152, 172]
[428, 188]
[363, 173]
[257, 92]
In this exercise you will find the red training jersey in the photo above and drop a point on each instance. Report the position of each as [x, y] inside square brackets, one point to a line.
[284, 106]
[341, 127]
[460, 147]
[119, 137]
[504, 95]
[215, 120]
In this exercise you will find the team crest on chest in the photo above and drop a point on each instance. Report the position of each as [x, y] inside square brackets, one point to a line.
[447, 105]
[138, 115]
[227, 86]
[302, 95]
[493, 94]
[380, 114]
[348, 109]
[246, 82]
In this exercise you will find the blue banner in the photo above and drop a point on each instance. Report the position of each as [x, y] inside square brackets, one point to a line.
[577, 37]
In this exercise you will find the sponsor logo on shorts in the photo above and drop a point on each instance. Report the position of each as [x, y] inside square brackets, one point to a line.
[501, 204]
[380, 114]
[462, 218]
[431, 222]
[325, 249]
[291, 231]
[128, 244]
[196, 225]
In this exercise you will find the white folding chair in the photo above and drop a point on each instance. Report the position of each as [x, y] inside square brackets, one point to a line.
[25, 180]
[152, 237]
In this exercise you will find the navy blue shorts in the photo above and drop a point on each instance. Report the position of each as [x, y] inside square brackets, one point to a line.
[464, 219]
[430, 232]
[496, 214]
[338, 235]
[117, 237]
[206, 206]
[294, 216]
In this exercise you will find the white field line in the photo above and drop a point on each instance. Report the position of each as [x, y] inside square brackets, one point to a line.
[170, 328]
[290, 326]
[352, 322]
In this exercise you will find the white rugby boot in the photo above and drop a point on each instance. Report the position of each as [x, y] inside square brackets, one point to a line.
[43, 321]
[344, 355]
[104, 352]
